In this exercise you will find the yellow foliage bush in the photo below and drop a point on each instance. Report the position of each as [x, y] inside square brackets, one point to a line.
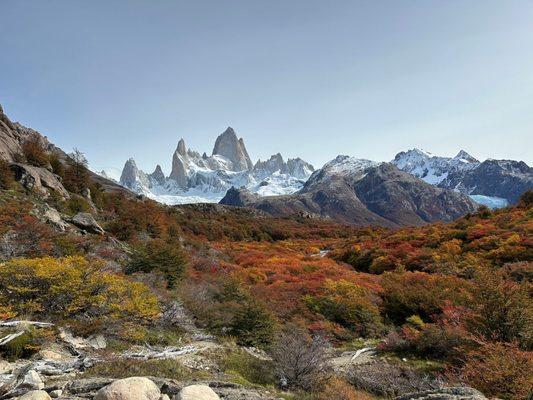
[70, 286]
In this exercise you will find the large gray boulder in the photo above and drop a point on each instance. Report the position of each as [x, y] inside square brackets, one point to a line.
[35, 395]
[38, 179]
[134, 388]
[87, 222]
[30, 381]
[197, 392]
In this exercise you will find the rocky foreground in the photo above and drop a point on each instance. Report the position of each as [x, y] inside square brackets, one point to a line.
[80, 368]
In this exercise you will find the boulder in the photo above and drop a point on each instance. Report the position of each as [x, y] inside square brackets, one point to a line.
[35, 395]
[87, 222]
[453, 393]
[39, 179]
[197, 392]
[134, 388]
[56, 393]
[52, 216]
[31, 381]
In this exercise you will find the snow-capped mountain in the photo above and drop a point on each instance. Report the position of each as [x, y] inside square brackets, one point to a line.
[431, 168]
[495, 183]
[198, 177]
[361, 192]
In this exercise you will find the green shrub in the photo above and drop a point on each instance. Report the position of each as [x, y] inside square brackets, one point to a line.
[252, 369]
[77, 204]
[158, 255]
[23, 346]
[253, 325]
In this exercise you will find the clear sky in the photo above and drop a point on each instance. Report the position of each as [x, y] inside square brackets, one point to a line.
[307, 78]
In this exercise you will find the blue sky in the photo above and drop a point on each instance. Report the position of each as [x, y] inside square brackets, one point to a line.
[314, 79]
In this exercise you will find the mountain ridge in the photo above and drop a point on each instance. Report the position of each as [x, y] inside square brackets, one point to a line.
[203, 178]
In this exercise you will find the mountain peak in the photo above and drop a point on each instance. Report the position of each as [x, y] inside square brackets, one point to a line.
[181, 149]
[229, 146]
[463, 155]
[130, 172]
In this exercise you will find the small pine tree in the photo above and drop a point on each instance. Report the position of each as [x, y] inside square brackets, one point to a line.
[253, 325]
[76, 173]
[158, 255]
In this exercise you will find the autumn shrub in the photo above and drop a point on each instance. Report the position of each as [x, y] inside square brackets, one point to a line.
[34, 153]
[502, 309]
[357, 258]
[301, 360]
[69, 287]
[499, 370]
[338, 389]
[7, 179]
[349, 305]
[419, 293]
[526, 199]
[158, 255]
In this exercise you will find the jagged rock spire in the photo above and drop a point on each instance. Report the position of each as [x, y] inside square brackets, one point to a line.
[158, 175]
[129, 175]
[229, 146]
[180, 165]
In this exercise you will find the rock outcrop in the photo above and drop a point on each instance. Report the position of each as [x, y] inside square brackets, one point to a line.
[86, 222]
[239, 197]
[38, 179]
[232, 148]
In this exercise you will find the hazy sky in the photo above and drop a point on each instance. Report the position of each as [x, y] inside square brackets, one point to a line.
[314, 79]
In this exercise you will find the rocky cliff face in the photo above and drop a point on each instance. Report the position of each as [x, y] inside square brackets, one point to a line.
[363, 192]
[12, 138]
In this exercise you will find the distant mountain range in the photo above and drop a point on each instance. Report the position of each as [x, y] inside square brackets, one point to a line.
[415, 188]
[361, 192]
[202, 178]
[198, 177]
[492, 182]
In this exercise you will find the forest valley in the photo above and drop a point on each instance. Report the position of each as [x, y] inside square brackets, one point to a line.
[446, 304]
